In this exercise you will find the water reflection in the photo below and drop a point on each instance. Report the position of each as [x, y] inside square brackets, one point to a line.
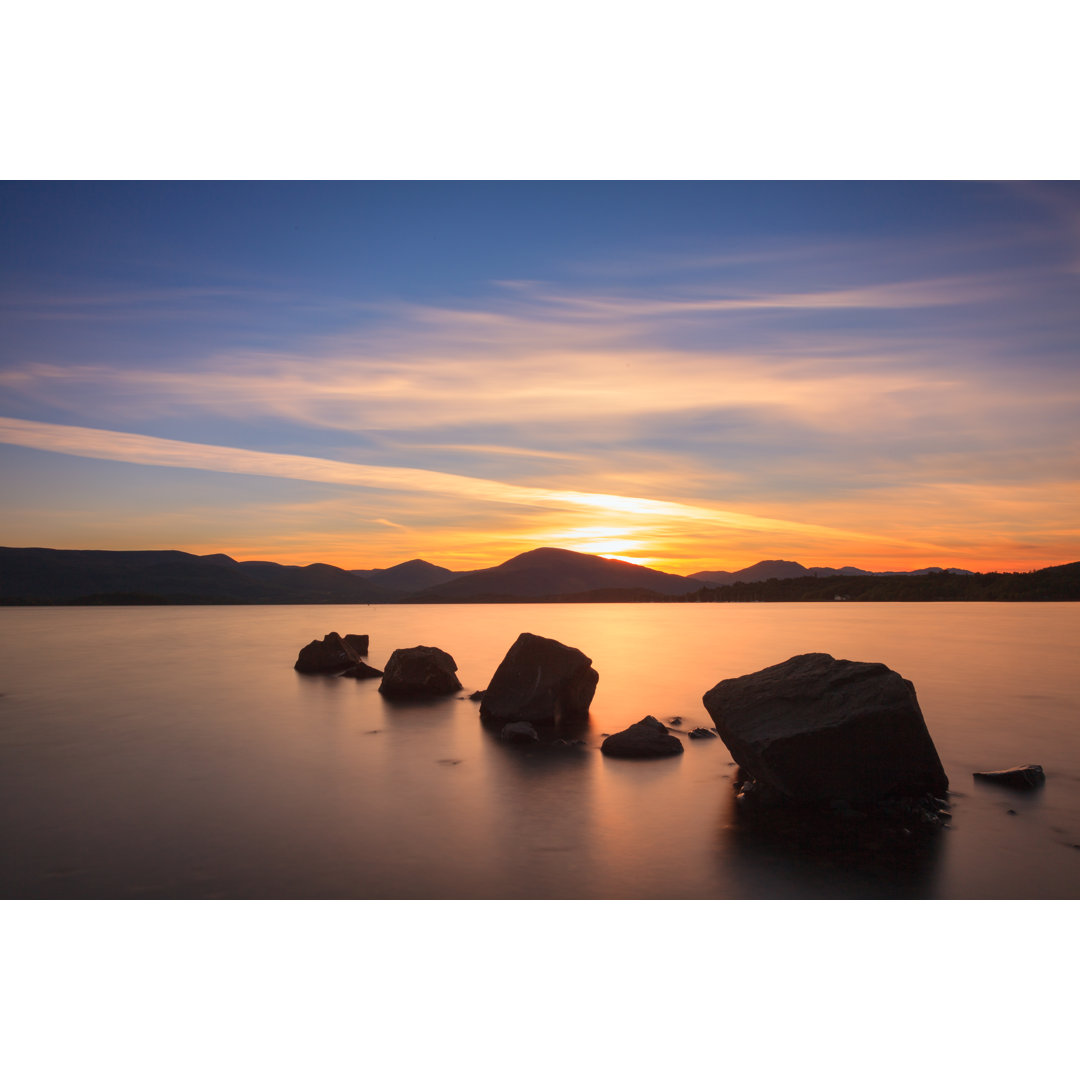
[823, 855]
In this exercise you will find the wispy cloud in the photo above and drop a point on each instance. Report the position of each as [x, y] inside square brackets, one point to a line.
[169, 453]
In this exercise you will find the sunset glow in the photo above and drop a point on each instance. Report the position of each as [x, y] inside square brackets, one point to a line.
[686, 376]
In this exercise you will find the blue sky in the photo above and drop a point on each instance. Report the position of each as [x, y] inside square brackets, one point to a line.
[693, 375]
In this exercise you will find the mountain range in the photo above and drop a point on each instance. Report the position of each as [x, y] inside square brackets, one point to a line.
[52, 576]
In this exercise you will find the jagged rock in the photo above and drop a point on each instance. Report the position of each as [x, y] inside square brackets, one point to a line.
[816, 729]
[361, 671]
[519, 731]
[477, 695]
[702, 733]
[542, 681]
[422, 671]
[331, 654]
[358, 643]
[1024, 777]
[645, 739]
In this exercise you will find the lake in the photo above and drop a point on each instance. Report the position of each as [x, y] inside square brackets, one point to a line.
[172, 752]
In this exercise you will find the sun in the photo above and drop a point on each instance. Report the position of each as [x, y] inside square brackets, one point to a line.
[607, 547]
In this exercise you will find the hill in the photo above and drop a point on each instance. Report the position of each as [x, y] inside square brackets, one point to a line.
[409, 576]
[555, 573]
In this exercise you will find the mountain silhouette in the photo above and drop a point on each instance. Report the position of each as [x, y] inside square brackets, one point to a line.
[48, 575]
[409, 576]
[554, 572]
[56, 576]
[781, 569]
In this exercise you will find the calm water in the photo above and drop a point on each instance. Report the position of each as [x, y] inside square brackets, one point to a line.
[173, 752]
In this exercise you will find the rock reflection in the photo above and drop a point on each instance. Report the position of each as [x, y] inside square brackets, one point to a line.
[810, 854]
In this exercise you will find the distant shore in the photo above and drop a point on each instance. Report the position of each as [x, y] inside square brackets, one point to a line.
[33, 577]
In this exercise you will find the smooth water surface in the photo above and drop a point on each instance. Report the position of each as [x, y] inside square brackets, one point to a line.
[174, 752]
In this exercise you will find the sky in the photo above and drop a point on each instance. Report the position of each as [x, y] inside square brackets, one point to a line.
[690, 375]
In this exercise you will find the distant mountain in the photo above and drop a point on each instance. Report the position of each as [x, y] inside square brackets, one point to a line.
[52, 576]
[553, 572]
[409, 577]
[760, 571]
[1053, 583]
[781, 569]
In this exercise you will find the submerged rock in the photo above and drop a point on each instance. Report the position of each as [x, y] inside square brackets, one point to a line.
[646, 739]
[330, 655]
[1024, 777]
[361, 671]
[702, 733]
[542, 681]
[519, 731]
[422, 671]
[814, 729]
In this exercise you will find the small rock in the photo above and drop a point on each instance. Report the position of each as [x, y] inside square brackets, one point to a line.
[676, 720]
[476, 695]
[702, 733]
[519, 731]
[646, 739]
[1010, 811]
[1024, 777]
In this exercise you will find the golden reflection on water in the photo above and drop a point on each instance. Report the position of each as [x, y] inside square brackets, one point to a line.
[174, 752]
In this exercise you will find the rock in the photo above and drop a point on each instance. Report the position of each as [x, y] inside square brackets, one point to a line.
[331, 654]
[1024, 777]
[358, 643]
[816, 729]
[422, 671]
[476, 695]
[675, 721]
[542, 681]
[361, 671]
[645, 739]
[702, 733]
[519, 731]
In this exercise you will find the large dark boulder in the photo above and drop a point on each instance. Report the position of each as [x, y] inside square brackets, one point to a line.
[332, 654]
[814, 729]
[542, 681]
[422, 671]
[647, 738]
[1023, 777]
